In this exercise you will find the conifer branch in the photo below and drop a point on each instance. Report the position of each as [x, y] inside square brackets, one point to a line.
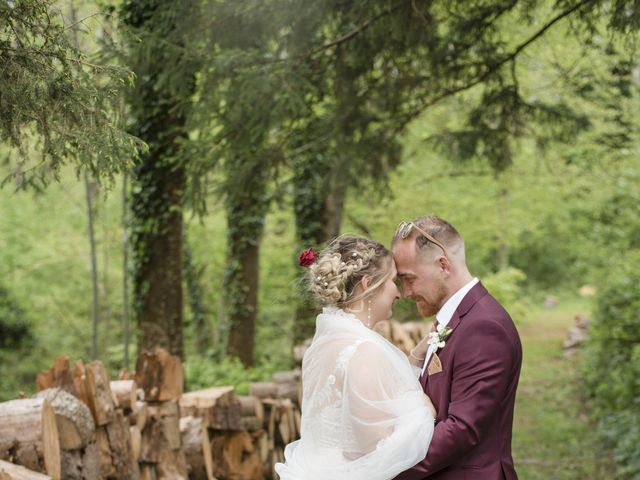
[494, 68]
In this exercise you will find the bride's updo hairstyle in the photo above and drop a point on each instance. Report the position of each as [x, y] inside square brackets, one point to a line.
[335, 275]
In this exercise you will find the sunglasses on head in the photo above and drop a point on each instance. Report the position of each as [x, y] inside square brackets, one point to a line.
[405, 228]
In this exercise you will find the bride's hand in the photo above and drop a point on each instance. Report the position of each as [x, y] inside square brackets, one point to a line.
[419, 352]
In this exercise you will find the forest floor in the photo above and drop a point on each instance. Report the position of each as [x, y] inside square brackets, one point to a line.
[553, 437]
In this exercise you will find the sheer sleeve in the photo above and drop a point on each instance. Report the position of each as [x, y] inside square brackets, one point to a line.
[364, 414]
[385, 409]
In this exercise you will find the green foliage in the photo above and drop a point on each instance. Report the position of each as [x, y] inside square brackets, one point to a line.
[612, 373]
[50, 92]
[506, 287]
[15, 327]
[203, 371]
[16, 339]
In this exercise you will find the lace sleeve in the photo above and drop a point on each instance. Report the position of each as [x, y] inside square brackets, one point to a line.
[382, 399]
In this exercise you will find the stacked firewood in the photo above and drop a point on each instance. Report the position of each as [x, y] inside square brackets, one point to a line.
[213, 436]
[405, 335]
[93, 430]
[278, 403]
[73, 428]
[160, 377]
[29, 437]
[83, 426]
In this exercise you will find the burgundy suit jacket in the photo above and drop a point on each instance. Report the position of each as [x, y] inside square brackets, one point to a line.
[474, 395]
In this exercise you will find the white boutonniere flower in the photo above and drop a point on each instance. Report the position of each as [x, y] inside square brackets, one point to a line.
[438, 337]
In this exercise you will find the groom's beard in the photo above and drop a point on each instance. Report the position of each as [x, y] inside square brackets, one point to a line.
[428, 308]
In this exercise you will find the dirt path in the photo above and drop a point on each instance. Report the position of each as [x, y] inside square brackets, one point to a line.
[553, 438]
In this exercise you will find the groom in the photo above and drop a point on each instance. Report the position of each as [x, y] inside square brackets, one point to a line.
[472, 379]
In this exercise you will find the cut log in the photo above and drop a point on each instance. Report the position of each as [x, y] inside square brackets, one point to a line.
[168, 414]
[148, 472]
[286, 425]
[271, 412]
[292, 376]
[263, 390]
[260, 438]
[58, 376]
[251, 407]
[83, 464]
[297, 417]
[400, 338]
[251, 424]
[197, 448]
[136, 442]
[139, 414]
[417, 330]
[289, 391]
[235, 456]
[125, 393]
[73, 418]
[162, 431]
[114, 444]
[160, 375]
[172, 465]
[219, 408]
[29, 435]
[92, 385]
[10, 471]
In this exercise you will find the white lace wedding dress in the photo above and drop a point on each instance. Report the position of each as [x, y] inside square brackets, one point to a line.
[364, 415]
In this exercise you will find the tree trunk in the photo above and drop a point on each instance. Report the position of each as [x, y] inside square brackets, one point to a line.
[158, 275]
[245, 298]
[125, 270]
[323, 218]
[247, 204]
[321, 179]
[159, 177]
[198, 324]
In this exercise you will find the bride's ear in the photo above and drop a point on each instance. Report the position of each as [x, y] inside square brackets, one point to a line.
[366, 282]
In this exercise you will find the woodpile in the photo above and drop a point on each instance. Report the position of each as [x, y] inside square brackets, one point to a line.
[29, 435]
[405, 335]
[11, 471]
[93, 430]
[84, 426]
[160, 377]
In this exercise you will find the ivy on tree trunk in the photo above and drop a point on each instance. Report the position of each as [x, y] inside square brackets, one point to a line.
[163, 84]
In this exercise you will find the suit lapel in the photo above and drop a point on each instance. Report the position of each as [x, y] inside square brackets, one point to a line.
[476, 293]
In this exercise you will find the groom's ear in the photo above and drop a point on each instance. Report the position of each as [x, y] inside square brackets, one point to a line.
[444, 264]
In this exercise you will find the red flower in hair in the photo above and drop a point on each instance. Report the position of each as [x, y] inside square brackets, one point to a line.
[307, 257]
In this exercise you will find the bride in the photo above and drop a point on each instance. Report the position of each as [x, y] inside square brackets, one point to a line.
[364, 414]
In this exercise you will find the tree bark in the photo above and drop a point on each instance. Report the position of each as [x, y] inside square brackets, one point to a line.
[244, 287]
[158, 181]
[158, 275]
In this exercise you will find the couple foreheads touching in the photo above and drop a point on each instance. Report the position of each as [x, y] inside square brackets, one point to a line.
[370, 412]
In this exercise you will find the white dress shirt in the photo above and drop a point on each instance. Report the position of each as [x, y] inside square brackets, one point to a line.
[446, 312]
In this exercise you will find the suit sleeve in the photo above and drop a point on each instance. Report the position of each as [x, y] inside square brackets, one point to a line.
[480, 379]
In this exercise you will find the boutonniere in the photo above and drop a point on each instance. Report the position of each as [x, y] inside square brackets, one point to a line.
[438, 337]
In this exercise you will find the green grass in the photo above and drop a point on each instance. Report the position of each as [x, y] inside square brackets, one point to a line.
[553, 437]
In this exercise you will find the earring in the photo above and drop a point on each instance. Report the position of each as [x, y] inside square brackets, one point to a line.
[369, 315]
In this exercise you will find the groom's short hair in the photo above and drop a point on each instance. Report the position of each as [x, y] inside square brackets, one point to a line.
[438, 228]
[441, 230]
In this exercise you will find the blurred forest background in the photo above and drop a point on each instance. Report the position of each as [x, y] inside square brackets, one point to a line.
[164, 162]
